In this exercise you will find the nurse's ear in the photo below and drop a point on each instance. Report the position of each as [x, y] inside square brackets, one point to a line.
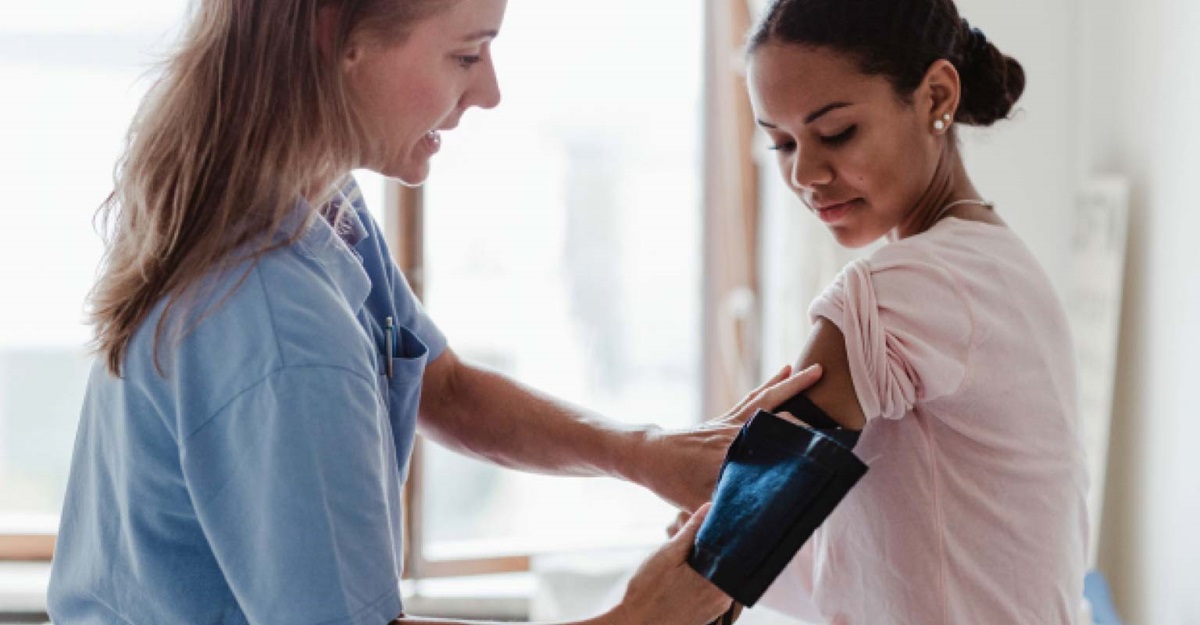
[328, 21]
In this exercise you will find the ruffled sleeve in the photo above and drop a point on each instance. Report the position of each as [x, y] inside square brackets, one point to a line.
[907, 325]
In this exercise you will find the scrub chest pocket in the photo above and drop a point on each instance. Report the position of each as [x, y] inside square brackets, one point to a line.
[402, 368]
[400, 387]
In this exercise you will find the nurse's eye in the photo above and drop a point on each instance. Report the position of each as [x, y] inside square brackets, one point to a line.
[467, 60]
[841, 138]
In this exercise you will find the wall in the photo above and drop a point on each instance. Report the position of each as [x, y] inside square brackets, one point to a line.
[1028, 165]
[1140, 62]
[1115, 88]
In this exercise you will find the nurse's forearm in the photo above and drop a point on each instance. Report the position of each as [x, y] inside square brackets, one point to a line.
[490, 416]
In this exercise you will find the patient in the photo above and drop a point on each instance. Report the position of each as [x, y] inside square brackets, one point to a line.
[947, 347]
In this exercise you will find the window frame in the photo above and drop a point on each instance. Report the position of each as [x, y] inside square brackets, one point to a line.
[104, 49]
[27, 547]
[730, 256]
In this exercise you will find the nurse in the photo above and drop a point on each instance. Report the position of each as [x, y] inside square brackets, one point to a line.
[263, 365]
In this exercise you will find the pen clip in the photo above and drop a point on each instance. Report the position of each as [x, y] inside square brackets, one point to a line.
[389, 339]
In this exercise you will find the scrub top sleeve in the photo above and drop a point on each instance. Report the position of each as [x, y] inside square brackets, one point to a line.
[289, 486]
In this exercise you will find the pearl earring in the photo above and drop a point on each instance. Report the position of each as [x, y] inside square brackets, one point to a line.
[941, 124]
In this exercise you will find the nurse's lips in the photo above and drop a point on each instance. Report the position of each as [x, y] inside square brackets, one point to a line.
[432, 141]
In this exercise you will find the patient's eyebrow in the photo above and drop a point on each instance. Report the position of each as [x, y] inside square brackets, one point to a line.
[812, 117]
[819, 113]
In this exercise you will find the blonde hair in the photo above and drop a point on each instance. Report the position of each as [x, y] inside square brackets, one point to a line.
[248, 116]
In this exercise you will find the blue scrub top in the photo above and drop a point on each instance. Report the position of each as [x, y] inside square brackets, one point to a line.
[259, 480]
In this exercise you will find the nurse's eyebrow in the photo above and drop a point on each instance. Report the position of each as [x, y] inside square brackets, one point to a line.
[818, 114]
[482, 35]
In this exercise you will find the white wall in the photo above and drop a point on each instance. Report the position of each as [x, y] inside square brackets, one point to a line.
[1027, 165]
[1141, 63]
[1114, 87]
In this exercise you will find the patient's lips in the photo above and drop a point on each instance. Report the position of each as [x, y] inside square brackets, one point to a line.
[834, 212]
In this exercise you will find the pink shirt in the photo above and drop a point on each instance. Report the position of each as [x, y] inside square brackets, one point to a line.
[974, 509]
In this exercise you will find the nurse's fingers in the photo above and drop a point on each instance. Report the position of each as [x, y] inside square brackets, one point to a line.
[681, 542]
[775, 379]
[677, 524]
[779, 392]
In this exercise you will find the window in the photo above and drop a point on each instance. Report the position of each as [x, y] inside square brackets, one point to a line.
[563, 246]
[73, 73]
[565, 235]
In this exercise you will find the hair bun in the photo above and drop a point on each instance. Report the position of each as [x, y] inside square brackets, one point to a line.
[975, 43]
[991, 82]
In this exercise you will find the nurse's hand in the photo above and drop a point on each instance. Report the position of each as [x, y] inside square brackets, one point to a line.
[681, 466]
[666, 591]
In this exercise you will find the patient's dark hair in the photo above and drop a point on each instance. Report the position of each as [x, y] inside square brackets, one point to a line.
[901, 39]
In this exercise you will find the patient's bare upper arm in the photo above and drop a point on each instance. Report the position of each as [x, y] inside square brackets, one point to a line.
[834, 392]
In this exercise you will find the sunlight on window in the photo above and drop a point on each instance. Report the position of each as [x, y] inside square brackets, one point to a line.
[564, 248]
[74, 74]
[563, 243]
[137, 17]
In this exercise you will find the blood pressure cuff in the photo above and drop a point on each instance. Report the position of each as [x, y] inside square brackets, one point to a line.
[801, 407]
[779, 482]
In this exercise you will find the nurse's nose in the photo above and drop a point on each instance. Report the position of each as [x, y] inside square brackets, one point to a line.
[486, 92]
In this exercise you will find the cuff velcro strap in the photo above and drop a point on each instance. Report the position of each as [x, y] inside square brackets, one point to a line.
[803, 409]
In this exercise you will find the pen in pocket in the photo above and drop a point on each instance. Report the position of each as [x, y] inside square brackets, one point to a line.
[389, 338]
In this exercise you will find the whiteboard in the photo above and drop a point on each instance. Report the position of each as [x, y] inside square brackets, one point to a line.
[1098, 242]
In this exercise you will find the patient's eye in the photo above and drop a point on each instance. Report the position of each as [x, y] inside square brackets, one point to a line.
[841, 138]
[784, 146]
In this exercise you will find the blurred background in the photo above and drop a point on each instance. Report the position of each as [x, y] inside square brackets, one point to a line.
[614, 234]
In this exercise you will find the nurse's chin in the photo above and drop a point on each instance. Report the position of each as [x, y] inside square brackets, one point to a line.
[410, 174]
